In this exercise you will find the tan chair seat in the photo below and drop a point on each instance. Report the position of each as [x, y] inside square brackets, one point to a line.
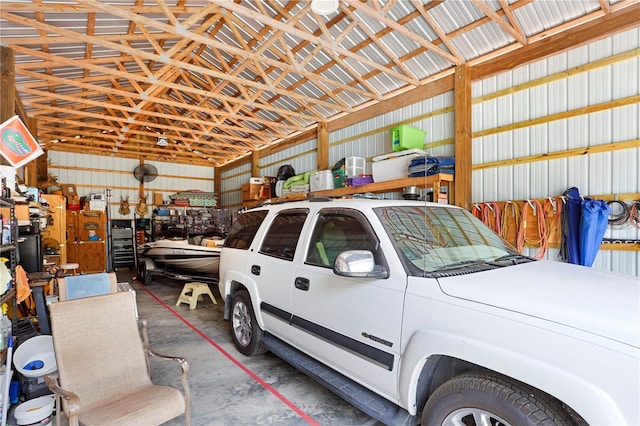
[148, 405]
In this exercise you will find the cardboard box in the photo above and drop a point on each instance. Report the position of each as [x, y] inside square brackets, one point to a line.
[251, 191]
[68, 190]
[21, 212]
[157, 199]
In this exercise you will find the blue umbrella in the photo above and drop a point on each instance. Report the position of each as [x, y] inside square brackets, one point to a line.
[593, 225]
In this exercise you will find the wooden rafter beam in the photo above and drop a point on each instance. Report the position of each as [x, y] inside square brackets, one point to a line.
[275, 24]
[110, 72]
[218, 138]
[395, 26]
[142, 20]
[507, 27]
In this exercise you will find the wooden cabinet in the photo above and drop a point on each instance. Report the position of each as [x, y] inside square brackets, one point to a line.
[56, 232]
[90, 255]
[86, 236]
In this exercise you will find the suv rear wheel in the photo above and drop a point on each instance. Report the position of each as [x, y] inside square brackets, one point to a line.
[247, 335]
[481, 399]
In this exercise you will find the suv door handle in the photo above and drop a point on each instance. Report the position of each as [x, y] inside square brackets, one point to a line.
[302, 283]
[255, 269]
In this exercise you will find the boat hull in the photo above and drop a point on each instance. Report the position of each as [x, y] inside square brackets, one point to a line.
[181, 256]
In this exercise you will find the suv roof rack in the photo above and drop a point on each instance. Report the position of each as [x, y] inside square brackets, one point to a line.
[309, 197]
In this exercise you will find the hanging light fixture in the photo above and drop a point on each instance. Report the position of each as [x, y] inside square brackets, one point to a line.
[325, 7]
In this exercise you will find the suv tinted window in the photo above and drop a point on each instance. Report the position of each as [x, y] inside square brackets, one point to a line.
[339, 230]
[244, 229]
[282, 237]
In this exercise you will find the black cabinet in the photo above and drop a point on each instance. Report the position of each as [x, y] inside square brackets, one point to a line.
[122, 248]
[30, 252]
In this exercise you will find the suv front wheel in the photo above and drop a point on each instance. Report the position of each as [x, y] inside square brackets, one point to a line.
[481, 399]
[247, 335]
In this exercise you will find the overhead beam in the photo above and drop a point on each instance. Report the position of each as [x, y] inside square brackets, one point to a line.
[615, 22]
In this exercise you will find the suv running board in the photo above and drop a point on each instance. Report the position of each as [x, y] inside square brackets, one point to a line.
[357, 395]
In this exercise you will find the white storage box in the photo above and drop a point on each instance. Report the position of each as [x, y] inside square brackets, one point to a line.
[393, 166]
[354, 166]
[97, 205]
[319, 181]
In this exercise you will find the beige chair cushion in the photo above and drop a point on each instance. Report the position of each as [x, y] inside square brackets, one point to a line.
[150, 405]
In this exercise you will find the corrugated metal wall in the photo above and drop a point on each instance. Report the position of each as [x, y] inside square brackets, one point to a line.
[95, 174]
[586, 99]
[568, 104]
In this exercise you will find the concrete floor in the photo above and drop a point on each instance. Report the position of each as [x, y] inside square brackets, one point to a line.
[227, 387]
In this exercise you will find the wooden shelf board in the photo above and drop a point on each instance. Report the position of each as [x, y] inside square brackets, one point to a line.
[434, 181]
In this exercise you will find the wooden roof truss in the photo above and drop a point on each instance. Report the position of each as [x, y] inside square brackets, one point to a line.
[219, 79]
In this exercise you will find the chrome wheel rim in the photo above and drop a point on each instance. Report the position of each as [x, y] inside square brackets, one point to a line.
[241, 323]
[473, 417]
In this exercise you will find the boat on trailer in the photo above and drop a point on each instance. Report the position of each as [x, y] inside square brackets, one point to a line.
[179, 259]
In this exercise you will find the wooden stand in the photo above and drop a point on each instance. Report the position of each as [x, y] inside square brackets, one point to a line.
[57, 229]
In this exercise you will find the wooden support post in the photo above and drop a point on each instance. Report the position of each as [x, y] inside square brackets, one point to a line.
[7, 84]
[31, 168]
[463, 141]
[322, 151]
[255, 164]
[217, 185]
[7, 88]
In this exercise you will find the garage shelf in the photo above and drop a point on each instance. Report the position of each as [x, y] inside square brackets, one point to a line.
[436, 182]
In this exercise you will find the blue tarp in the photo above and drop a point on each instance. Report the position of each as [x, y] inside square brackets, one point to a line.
[571, 214]
[584, 223]
[593, 225]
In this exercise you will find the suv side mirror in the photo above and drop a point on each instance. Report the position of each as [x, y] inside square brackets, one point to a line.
[358, 264]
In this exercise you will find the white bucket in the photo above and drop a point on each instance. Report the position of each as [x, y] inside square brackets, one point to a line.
[35, 411]
[35, 357]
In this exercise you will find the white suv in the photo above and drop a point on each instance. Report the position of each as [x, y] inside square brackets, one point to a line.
[418, 313]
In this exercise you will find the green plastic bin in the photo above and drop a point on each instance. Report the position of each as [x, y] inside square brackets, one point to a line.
[407, 137]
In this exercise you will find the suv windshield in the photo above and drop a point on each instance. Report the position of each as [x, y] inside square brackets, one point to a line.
[435, 239]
